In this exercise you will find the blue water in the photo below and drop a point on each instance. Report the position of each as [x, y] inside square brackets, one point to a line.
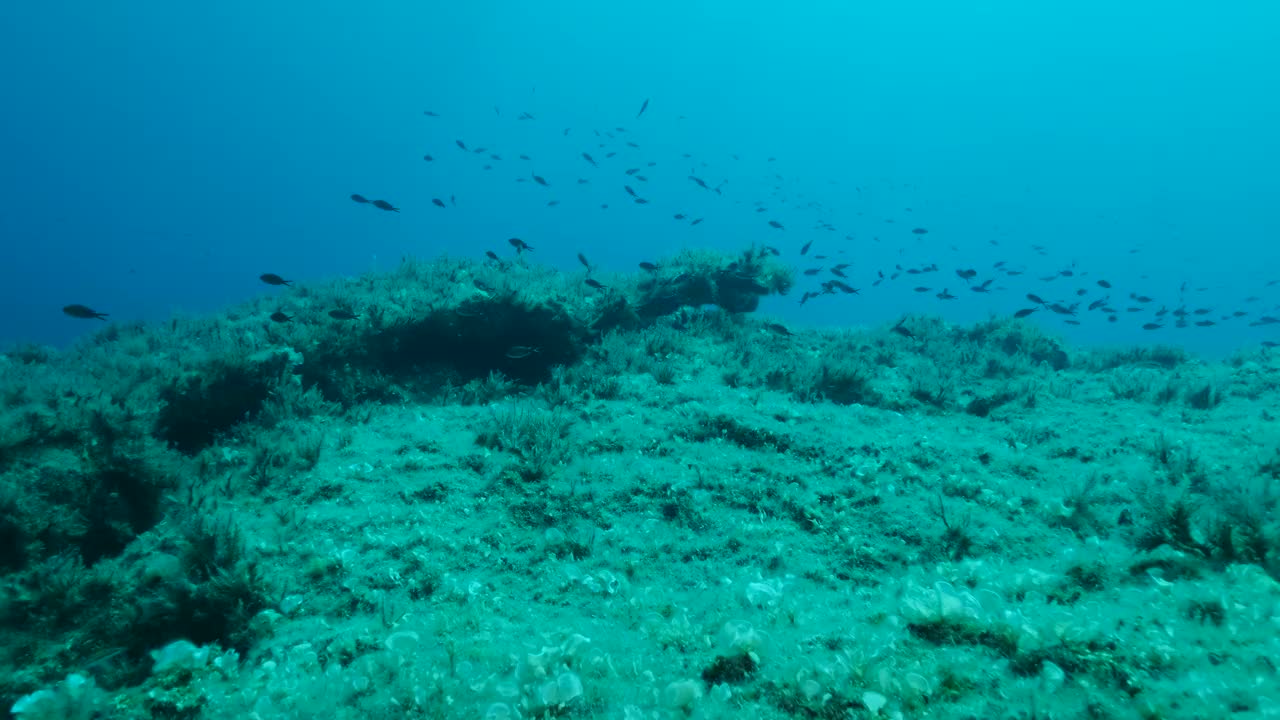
[156, 158]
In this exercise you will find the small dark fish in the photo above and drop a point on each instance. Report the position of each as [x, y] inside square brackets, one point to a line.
[945, 295]
[1063, 309]
[359, 198]
[519, 352]
[641, 201]
[492, 256]
[342, 314]
[775, 224]
[919, 231]
[804, 250]
[630, 192]
[384, 205]
[679, 216]
[583, 259]
[778, 329]
[813, 271]
[460, 144]
[701, 183]
[1152, 326]
[437, 202]
[280, 317]
[648, 266]
[983, 287]
[1024, 312]
[520, 245]
[921, 289]
[429, 113]
[274, 279]
[83, 312]
[552, 203]
[1036, 299]
[1205, 323]
[1104, 284]
[588, 158]
[631, 171]
[966, 275]
[643, 106]
[428, 158]
[541, 181]
[695, 221]
[594, 284]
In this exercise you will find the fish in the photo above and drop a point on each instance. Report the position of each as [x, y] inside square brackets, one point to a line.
[274, 279]
[519, 352]
[588, 158]
[437, 202]
[1104, 284]
[648, 267]
[583, 259]
[541, 181]
[695, 221]
[520, 245]
[701, 183]
[945, 295]
[1024, 312]
[630, 192]
[983, 287]
[1152, 326]
[966, 275]
[813, 271]
[594, 284]
[460, 144]
[359, 198]
[631, 171]
[679, 216]
[919, 231]
[921, 289]
[775, 224]
[280, 317]
[430, 113]
[453, 201]
[805, 248]
[1036, 299]
[342, 314]
[643, 106]
[492, 255]
[428, 158]
[384, 205]
[641, 201]
[83, 312]
[778, 329]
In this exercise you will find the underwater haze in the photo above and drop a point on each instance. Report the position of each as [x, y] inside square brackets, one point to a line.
[157, 158]
[650, 361]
